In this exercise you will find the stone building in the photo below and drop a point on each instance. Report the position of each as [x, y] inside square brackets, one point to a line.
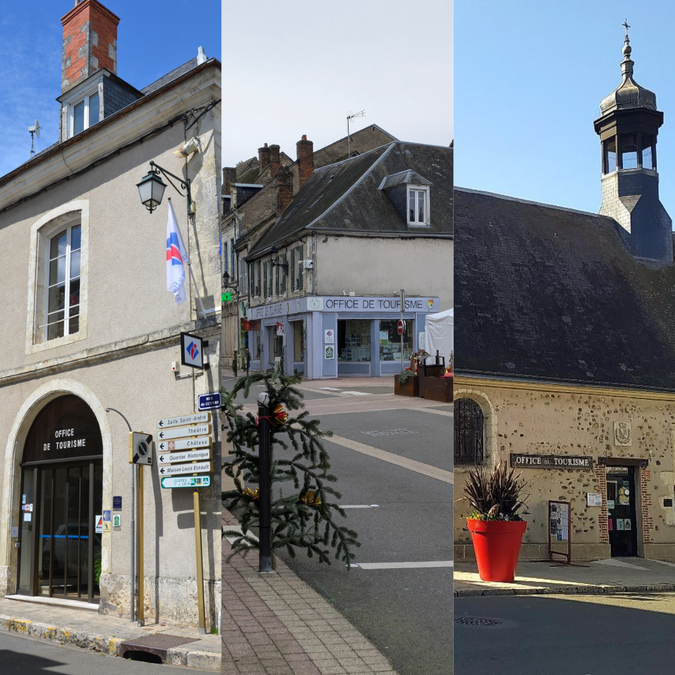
[565, 334]
[325, 249]
[90, 334]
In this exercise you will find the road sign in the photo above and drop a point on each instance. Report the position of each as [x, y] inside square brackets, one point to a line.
[193, 456]
[186, 482]
[183, 469]
[184, 444]
[191, 350]
[196, 418]
[140, 448]
[209, 401]
[401, 327]
[183, 432]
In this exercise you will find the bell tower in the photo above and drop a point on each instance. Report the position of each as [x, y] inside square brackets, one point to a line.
[628, 127]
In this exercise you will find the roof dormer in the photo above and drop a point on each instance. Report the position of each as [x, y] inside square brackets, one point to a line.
[410, 194]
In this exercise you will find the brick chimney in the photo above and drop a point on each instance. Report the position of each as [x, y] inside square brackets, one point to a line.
[229, 178]
[284, 189]
[275, 160]
[263, 157]
[89, 42]
[305, 154]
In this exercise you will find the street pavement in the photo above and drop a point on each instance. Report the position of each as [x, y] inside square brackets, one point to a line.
[95, 634]
[576, 634]
[27, 656]
[599, 576]
[392, 457]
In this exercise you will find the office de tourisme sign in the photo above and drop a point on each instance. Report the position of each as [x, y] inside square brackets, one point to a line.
[550, 462]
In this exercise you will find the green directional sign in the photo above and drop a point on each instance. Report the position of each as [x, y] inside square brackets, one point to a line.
[171, 482]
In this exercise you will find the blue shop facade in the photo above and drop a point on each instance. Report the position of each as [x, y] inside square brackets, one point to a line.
[323, 337]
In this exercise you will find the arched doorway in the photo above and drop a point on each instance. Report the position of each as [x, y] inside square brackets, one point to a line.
[61, 503]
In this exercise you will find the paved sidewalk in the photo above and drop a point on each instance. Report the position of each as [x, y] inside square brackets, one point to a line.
[600, 576]
[275, 624]
[89, 630]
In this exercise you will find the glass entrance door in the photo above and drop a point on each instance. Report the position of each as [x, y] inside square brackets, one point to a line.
[621, 510]
[59, 543]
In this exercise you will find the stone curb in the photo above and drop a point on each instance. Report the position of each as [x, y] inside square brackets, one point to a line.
[100, 643]
[43, 631]
[566, 590]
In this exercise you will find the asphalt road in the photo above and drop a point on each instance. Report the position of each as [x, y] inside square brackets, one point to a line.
[25, 656]
[565, 635]
[406, 613]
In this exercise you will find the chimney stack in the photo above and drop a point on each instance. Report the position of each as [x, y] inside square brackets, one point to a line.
[275, 160]
[263, 157]
[305, 154]
[89, 42]
[284, 189]
[229, 178]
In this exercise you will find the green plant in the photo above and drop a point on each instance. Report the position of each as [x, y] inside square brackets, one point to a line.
[495, 494]
[406, 375]
[303, 518]
[97, 569]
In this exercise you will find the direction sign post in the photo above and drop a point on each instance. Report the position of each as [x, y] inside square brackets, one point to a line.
[184, 432]
[181, 420]
[185, 469]
[193, 456]
[172, 482]
[184, 444]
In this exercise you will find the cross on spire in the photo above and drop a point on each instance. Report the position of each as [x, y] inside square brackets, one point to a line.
[626, 26]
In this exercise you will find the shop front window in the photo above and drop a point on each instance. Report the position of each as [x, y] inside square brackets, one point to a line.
[255, 345]
[298, 342]
[354, 340]
[390, 341]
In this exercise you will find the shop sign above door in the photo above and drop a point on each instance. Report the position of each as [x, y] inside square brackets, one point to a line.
[345, 303]
[551, 462]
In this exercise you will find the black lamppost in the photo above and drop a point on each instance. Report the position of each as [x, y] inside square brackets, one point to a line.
[151, 188]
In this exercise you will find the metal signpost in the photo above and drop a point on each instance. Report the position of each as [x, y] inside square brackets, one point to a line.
[179, 469]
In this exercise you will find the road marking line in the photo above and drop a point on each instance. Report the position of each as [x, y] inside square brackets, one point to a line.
[410, 464]
[359, 506]
[403, 565]
[447, 413]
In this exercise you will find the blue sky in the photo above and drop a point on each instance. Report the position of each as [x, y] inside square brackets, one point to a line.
[152, 39]
[529, 77]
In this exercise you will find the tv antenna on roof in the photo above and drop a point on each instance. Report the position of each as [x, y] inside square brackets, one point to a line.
[350, 117]
[34, 131]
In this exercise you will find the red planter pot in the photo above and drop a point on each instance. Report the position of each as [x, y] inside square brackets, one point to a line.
[497, 545]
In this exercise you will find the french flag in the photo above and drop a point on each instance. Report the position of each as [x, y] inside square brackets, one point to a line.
[175, 258]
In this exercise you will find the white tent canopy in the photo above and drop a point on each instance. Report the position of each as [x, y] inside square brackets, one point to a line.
[439, 335]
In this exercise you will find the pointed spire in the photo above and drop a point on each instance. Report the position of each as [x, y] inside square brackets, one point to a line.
[626, 64]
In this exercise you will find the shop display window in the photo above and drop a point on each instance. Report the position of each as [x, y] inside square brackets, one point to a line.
[390, 341]
[354, 340]
[298, 341]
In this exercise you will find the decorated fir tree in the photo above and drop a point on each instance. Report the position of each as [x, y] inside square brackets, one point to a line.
[302, 515]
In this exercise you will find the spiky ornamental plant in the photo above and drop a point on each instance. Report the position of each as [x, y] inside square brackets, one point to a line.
[304, 517]
[495, 494]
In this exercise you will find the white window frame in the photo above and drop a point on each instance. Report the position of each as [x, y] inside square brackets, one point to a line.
[42, 231]
[71, 111]
[427, 220]
[67, 316]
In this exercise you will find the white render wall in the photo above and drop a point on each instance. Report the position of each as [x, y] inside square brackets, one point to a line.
[123, 358]
[383, 266]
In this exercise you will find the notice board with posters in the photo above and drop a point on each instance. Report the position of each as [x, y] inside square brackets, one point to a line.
[559, 530]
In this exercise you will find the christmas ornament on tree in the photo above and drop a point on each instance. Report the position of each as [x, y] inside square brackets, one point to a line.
[302, 514]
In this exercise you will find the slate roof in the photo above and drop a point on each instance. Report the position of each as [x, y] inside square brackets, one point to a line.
[169, 77]
[550, 293]
[345, 196]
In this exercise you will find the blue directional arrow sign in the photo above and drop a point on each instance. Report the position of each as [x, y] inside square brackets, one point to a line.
[209, 401]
